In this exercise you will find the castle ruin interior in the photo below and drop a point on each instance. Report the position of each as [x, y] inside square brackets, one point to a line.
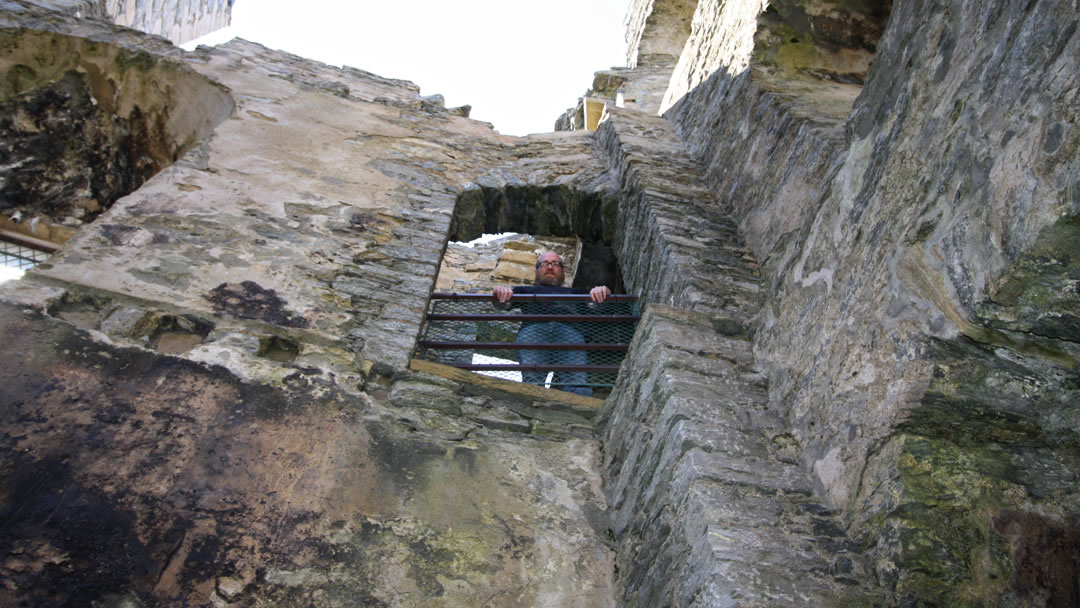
[854, 226]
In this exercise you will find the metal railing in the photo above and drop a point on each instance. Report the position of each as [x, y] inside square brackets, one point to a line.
[23, 252]
[562, 341]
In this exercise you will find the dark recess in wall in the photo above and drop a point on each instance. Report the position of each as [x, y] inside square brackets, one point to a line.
[545, 211]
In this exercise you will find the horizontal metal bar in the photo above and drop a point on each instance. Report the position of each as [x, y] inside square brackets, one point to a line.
[30, 242]
[557, 385]
[534, 368]
[527, 297]
[522, 346]
[540, 318]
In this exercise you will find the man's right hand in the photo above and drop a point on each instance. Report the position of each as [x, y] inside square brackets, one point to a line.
[502, 294]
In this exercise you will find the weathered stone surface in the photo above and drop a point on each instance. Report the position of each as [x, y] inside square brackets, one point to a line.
[904, 223]
[819, 40]
[138, 475]
[177, 20]
[657, 30]
[285, 267]
[677, 246]
[378, 273]
[560, 210]
[721, 40]
[882, 413]
[705, 510]
[86, 122]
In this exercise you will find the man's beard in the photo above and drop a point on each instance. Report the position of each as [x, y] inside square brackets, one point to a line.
[550, 280]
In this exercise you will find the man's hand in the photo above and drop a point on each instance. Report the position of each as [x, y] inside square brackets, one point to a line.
[599, 294]
[502, 294]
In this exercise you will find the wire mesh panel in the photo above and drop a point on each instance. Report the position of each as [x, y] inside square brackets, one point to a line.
[15, 255]
[561, 341]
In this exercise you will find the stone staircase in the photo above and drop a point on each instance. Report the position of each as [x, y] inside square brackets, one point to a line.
[708, 503]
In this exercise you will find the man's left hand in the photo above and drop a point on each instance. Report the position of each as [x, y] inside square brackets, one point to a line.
[599, 294]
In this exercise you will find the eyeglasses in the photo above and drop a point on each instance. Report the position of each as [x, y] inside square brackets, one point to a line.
[550, 264]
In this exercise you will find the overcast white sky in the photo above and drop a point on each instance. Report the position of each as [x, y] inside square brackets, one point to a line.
[518, 63]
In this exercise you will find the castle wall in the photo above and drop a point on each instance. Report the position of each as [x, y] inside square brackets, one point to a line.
[656, 31]
[919, 398]
[708, 501]
[855, 381]
[178, 20]
[212, 378]
[140, 478]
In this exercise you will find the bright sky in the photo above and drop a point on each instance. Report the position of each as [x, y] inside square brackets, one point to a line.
[518, 63]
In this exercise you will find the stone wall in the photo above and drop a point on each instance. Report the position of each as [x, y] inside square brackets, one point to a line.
[887, 240]
[134, 478]
[510, 260]
[918, 330]
[213, 375]
[87, 123]
[177, 20]
[855, 382]
[656, 31]
[708, 501]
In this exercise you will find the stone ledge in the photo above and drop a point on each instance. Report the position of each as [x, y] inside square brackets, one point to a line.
[519, 389]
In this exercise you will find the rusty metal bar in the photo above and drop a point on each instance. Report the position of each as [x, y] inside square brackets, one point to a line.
[534, 368]
[538, 318]
[526, 297]
[522, 345]
[29, 242]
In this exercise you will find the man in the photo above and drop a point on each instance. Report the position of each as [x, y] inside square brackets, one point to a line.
[550, 274]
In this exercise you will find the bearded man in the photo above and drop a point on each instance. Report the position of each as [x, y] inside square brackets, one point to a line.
[549, 278]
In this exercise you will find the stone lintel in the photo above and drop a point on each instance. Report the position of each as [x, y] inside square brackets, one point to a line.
[520, 389]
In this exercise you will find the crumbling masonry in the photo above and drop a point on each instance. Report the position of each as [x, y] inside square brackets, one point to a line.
[854, 226]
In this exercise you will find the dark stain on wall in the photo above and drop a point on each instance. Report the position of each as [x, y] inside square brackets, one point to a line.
[249, 300]
[65, 155]
[119, 472]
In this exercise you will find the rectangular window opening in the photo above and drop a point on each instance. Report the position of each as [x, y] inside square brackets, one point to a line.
[565, 342]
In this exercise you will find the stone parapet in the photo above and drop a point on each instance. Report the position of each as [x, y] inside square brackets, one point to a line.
[708, 501]
[924, 376]
[643, 87]
[691, 441]
[677, 246]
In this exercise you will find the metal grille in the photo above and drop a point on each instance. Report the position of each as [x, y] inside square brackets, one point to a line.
[19, 256]
[560, 341]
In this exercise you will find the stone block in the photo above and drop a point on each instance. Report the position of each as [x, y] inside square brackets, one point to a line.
[758, 472]
[517, 273]
[502, 423]
[552, 415]
[516, 256]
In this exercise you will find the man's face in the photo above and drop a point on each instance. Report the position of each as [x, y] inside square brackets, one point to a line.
[549, 270]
